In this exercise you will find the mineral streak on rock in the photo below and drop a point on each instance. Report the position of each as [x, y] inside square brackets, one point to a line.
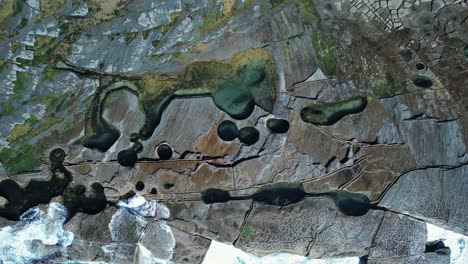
[327, 114]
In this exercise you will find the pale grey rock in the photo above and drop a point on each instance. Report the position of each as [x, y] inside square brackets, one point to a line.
[435, 143]
[189, 248]
[210, 221]
[436, 195]
[388, 133]
[81, 11]
[345, 236]
[119, 253]
[398, 236]
[292, 228]
[159, 239]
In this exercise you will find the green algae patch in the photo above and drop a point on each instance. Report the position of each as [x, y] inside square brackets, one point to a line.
[280, 194]
[327, 114]
[306, 8]
[352, 204]
[43, 49]
[50, 8]
[213, 195]
[164, 151]
[325, 48]
[278, 125]
[385, 86]
[249, 135]
[247, 232]
[18, 131]
[23, 159]
[22, 80]
[130, 36]
[236, 86]
[99, 134]
[127, 157]
[227, 130]
[10, 8]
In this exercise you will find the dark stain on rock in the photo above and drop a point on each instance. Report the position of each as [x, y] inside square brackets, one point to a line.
[164, 151]
[227, 130]
[213, 195]
[279, 126]
[249, 135]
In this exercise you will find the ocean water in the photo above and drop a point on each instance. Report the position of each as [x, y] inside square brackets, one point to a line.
[29, 238]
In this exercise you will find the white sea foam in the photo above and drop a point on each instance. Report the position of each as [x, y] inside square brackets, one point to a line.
[139, 206]
[18, 243]
[456, 242]
[222, 253]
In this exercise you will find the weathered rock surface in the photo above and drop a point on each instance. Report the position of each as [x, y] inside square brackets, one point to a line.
[405, 150]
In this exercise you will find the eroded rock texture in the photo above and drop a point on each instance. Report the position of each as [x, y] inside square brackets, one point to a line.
[320, 128]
